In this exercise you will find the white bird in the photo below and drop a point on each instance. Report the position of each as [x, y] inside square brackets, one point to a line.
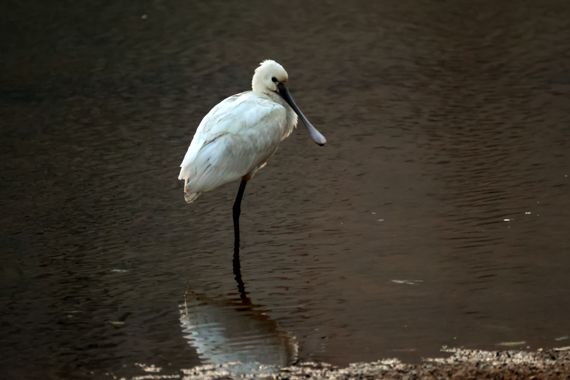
[237, 137]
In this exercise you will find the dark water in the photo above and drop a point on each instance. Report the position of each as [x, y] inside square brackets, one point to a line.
[438, 214]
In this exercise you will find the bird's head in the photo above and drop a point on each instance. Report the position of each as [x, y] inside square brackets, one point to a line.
[270, 77]
[267, 77]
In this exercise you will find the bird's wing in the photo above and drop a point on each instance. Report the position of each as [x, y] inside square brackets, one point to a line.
[234, 138]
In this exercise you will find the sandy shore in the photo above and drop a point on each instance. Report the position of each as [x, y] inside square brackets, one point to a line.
[462, 364]
[455, 363]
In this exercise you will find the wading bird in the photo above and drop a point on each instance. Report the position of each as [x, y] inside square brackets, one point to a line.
[237, 137]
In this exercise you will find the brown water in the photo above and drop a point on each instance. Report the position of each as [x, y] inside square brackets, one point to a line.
[438, 214]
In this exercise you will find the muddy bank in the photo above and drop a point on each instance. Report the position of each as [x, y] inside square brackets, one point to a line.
[460, 364]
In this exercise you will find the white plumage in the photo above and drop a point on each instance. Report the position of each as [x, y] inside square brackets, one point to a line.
[238, 135]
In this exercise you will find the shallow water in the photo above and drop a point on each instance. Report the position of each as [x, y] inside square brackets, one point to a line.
[438, 213]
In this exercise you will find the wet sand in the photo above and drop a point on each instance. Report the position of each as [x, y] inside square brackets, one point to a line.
[460, 364]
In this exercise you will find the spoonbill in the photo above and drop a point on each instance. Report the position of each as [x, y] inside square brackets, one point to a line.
[237, 137]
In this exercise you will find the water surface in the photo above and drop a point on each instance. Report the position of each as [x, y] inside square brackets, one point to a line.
[437, 214]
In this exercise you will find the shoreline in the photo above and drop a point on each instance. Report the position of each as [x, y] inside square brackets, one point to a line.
[461, 364]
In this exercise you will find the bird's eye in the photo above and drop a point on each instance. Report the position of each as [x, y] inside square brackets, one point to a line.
[274, 79]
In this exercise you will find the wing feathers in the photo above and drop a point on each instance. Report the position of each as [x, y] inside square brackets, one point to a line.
[234, 139]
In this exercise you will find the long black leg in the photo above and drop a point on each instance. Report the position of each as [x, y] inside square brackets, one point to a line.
[237, 212]
[237, 277]
[236, 261]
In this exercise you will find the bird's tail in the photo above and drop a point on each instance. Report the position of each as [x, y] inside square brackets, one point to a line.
[189, 196]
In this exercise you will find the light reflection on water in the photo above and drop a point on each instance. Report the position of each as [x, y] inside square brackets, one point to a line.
[235, 330]
[436, 215]
[223, 332]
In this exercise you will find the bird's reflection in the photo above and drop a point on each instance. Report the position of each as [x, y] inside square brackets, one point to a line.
[235, 330]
